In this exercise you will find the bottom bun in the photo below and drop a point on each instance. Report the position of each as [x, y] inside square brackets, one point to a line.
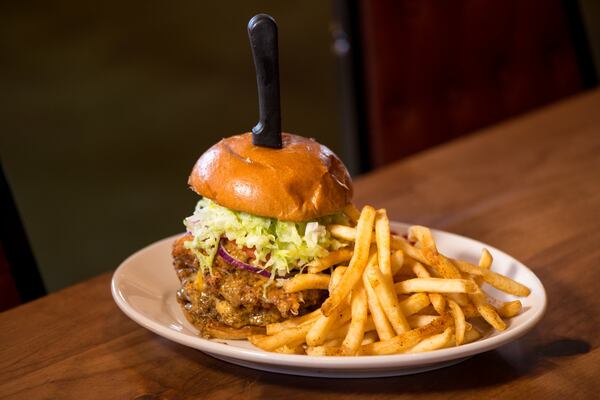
[221, 331]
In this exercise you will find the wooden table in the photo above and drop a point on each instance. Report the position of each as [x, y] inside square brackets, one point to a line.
[530, 186]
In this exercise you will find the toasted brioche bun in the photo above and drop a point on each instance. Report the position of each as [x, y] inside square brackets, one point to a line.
[302, 181]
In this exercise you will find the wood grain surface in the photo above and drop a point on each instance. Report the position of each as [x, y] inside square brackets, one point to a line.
[530, 186]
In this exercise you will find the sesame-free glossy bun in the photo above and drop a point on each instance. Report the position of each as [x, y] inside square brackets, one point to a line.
[302, 181]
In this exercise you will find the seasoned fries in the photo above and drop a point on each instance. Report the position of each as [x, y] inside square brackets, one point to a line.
[404, 341]
[364, 233]
[434, 342]
[417, 321]
[510, 309]
[460, 324]
[437, 300]
[293, 322]
[397, 261]
[333, 258]
[382, 325]
[382, 238]
[435, 285]
[397, 295]
[356, 331]
[486, 311]
[282, 338]
[498, 281]
[414, 303]
[387, 298]
[302, 282]
[318, 332]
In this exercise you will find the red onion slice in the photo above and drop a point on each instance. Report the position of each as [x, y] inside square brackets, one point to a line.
[241, 265]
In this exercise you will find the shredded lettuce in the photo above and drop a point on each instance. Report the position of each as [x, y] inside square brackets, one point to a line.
[279, 246]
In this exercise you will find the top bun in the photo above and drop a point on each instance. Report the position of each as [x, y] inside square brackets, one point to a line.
[302, 181]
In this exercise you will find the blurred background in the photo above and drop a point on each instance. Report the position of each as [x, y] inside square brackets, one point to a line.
[105, 107]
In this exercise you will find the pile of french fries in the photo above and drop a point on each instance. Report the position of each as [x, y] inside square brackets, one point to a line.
[396, 295]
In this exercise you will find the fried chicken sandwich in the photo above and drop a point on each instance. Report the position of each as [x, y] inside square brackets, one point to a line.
[262, 217]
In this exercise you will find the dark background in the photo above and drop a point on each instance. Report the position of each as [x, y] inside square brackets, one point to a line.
[105, 107]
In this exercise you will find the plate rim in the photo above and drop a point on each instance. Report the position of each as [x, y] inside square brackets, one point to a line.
[382, 362]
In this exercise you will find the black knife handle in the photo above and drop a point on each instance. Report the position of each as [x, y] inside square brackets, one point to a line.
[262, 31]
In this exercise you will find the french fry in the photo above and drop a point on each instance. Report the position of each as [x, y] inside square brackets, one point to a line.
[442, 267]
[437, 300]
[370, 337]
[406, 340]
[348, 233]
[437, 261]
[397, 344]
[470, 311]
[382, 238]
[472, 335]
[334, 342]
[333, 258]
[384, 330]
[496, 280]
[387, 298]
[459, 322]
[510, 309]
[434, 342]
[293, 322]
[399, 243]
[280, 339]
[352, 213]
[356, 331]
[397, 261]
[342, 330]
[317, 351]
[368, 313]
[318, 333]
[381, 279]
[430, 252]
[485, 261]
[302, 282]
[364, 230]
[486, 311]
[429, 310]
[337, 333]
[422, 235]
[370, 325]
[290, 349]
[435, 285]
[418, 321]
[336, 277]
[414, 304]
[460, 298]
[344, 232]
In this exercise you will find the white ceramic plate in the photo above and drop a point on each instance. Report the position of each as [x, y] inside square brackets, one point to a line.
[144, 287]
